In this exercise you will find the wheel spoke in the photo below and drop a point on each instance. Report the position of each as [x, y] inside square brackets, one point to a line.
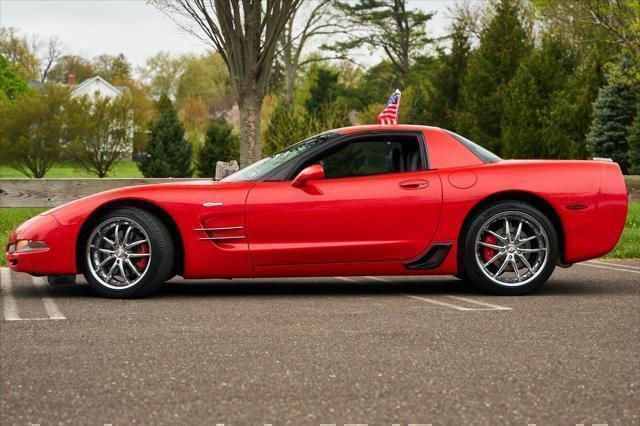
[493, 259]
[112, 270]
[501, 269]
[124, 275]
[103, 250]
[108, 241]
[116, 236]
[526, 262]
[493, 246]
[515, 239]
[536, 250]
[495, 234]
[133, 268]
[136, 255]
[515, 268]
[506, 229]
[126, 234]
[104, 262]
[134, 244]
[525, 240]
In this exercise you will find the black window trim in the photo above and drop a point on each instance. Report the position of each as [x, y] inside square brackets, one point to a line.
[290, 168]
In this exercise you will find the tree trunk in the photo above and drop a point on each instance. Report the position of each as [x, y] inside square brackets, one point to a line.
[250, 151]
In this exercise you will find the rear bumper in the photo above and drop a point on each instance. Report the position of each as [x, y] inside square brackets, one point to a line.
[57, 259]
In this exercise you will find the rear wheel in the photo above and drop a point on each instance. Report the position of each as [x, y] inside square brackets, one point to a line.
[128, 253]
[510, 248]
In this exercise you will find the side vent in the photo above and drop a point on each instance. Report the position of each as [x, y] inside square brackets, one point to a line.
[432, 258]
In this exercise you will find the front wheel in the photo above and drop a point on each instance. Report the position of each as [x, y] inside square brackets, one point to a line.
[128, 253]
[510, 248]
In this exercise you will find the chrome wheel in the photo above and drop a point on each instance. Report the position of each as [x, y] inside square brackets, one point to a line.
[118, 253]
[512, 248]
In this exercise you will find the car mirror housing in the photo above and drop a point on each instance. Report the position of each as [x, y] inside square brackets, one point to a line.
[315, 172]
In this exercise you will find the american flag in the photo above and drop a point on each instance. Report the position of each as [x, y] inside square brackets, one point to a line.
[389, 115]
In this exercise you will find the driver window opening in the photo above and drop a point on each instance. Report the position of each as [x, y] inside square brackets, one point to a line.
[372, 156]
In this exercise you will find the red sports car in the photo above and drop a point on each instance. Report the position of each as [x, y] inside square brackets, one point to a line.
[367, 200]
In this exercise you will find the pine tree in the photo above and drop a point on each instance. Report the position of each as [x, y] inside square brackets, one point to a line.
[613, 113]
[288, 125]
[503, 43]
[527, 107]
[220, 144]
[168, 153]
[634, 143]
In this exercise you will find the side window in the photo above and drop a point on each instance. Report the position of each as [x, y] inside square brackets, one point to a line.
[373, 155]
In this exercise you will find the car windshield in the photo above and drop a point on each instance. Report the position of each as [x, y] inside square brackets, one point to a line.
[264, 167]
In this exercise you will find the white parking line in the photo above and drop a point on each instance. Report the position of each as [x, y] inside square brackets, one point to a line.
[600, 262]
[49, 305]
[10, 306]
[487, 306]
[608, 267]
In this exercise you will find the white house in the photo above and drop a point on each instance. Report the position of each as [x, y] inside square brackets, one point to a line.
[95, 86]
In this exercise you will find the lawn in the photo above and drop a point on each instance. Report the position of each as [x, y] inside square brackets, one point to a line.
[124, 169]
[628, 247]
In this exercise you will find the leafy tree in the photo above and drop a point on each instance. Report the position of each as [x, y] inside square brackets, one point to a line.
[289, 124]
[437, 103]
[220, 144]
[386, 24]
[503, 43]
[168, 153]
[71, 64]
[324, 89]
[115, 69]
[527, 105]
[634, 143]
[11, 84]
[207, 78]
[16, 50]
[613, 113]
[248, 48]
[33, 130]
[102, 132]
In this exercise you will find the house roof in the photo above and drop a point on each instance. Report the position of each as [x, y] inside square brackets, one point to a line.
[92, 80]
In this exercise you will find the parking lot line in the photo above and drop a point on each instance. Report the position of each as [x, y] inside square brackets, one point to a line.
[10, 305]
[619, 269]
[50, 306]
[490, 305]
[600, 262]
[437, 302]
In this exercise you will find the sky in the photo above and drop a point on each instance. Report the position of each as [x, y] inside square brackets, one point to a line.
[93, 27]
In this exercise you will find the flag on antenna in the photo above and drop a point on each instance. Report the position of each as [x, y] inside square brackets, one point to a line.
[389, 115]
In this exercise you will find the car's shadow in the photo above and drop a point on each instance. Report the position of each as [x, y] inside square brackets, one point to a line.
[320, 287]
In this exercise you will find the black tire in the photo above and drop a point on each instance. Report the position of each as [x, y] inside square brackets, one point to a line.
[160, 263]
[475, 272]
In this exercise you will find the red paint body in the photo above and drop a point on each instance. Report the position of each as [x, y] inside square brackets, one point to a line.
[369, 225]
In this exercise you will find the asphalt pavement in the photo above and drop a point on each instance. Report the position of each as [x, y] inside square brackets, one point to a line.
[339, 350]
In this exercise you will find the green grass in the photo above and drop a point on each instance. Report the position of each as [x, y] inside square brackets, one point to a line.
[629, 245]
[627, 248]
[124, 169]
[10, 218]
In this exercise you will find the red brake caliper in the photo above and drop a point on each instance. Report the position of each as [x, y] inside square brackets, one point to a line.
[488, 252]
[142, 262]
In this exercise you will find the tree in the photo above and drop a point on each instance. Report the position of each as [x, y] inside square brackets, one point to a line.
[437, 104]
[70, 64]
[503, 43]
[102, 132]
[207, 78]
[289, 124]
[613, 113]
[220, 144]
[49, 52]
[161, 73]
[325, 89]
[634, 143]
[33, 130]
[385, 24]
[11, 84]
[246, 35]
[115, 69]
[17, 51]
[526, 125]
[168, 153]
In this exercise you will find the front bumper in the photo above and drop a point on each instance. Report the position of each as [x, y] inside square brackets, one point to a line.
[57, 259]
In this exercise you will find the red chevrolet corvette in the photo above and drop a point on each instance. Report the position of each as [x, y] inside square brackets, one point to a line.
[368, 200]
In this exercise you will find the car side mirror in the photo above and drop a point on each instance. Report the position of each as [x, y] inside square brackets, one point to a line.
[315, 172]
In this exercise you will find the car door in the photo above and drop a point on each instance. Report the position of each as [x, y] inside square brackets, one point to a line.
[377, 202]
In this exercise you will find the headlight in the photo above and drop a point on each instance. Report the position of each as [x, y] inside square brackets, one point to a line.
[22, 246]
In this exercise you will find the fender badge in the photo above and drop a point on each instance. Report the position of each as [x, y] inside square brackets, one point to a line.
[212, 204]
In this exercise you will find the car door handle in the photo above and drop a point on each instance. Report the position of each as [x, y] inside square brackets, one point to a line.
[414, 184]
